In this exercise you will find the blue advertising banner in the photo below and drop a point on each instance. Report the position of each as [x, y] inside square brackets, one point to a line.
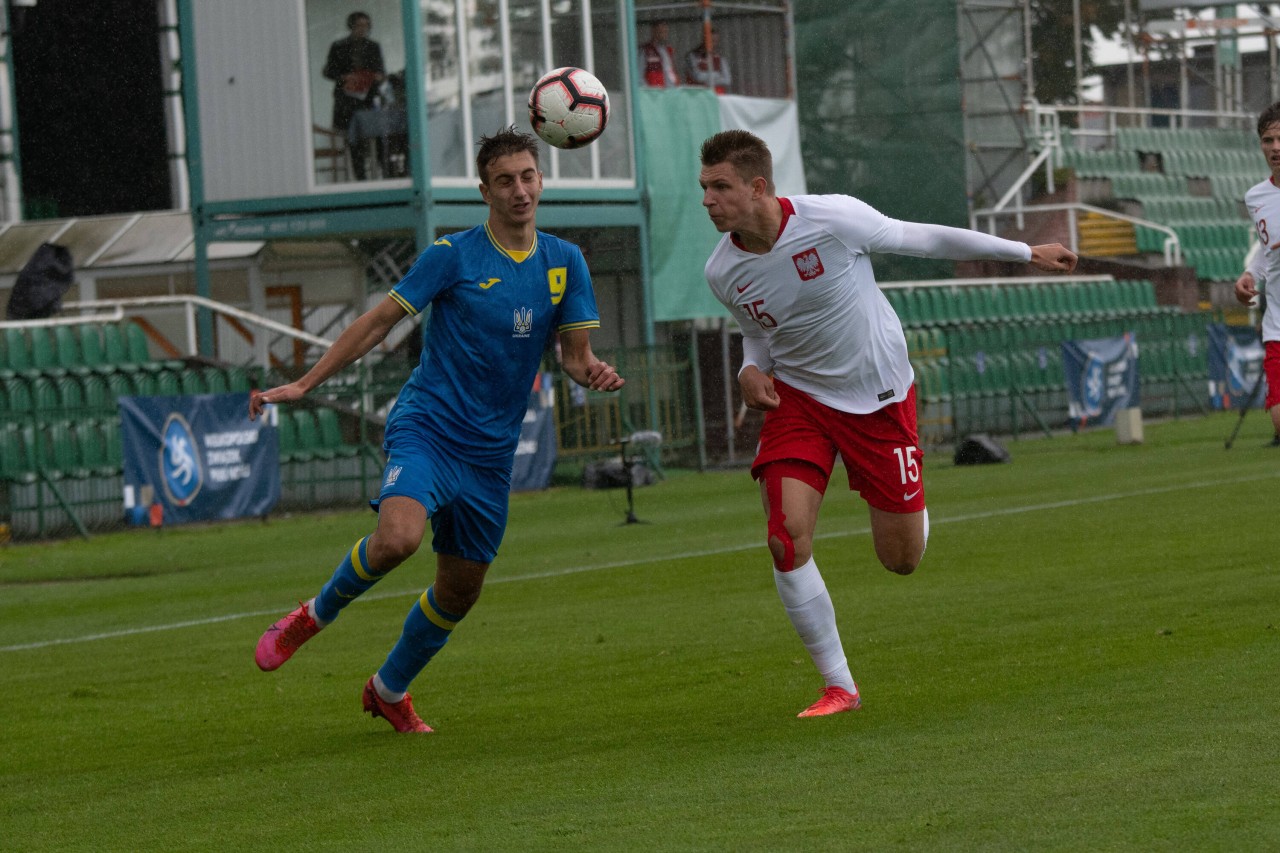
[536, 453]
[1235, 362]
[197, 458]
[1101, 376]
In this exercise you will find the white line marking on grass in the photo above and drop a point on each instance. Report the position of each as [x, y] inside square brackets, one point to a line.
[621, 564]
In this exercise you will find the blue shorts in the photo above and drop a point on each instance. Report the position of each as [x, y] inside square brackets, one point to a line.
[467, 504]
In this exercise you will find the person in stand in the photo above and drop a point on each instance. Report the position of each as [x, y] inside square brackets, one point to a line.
[1263, 202]
[658, 58]
[710, 69]
[497, 294]
[355, 65]
[825, 358]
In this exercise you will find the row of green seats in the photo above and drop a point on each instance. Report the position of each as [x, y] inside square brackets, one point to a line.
[1233, 235]
[1102, 163]
[22, 396]
[92, 447]
[81, 449]
[1038, 335]
[307, 434]
[985, 374]
[1192, 208]
[1233, 187]
[1148, 185]
[84, 348]
[1195, 138]
[1232, 238]
[927, 306]
[1216, 263]
[1207, 162]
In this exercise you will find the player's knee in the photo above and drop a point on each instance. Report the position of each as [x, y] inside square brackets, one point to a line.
[790, 548]
[901, 558]
[388, 549]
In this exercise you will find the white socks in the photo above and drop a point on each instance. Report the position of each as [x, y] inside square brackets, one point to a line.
[387, 694]
[805, 598]
[311, 609]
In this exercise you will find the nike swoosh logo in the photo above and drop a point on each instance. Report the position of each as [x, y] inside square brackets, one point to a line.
[347, 597]
[909, 495]
[490, 283]
[744, 287]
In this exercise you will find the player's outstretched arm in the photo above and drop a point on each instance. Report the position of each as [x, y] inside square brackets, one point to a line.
[582, 365]
[364, 334]
[1053, 257]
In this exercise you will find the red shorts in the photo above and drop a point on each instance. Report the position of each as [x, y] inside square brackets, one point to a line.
[881, 450]
[1271, 366]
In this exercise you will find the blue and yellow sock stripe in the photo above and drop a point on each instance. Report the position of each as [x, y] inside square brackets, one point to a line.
[360, 561]
[438, 616]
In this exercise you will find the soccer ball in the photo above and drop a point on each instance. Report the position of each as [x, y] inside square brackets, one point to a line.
[568, 107]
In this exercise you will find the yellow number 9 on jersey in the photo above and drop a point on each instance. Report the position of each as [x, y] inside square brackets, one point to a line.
[556, 279]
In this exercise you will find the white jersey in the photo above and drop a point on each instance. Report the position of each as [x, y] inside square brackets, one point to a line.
[811, 302]
[1263, 201]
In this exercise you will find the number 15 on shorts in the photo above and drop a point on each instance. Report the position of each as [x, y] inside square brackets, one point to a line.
[908, 467]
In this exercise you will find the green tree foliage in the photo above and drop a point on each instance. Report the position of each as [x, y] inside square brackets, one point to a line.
[1053, 43]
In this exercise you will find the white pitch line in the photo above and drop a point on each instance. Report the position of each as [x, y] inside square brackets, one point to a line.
[622, 564]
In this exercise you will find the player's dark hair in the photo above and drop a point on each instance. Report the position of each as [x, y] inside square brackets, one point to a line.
[1270, 116]
[358, 16]
[745, 151]
[504, 142]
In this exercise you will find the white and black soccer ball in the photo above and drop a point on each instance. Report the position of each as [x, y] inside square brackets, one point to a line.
[568, 107]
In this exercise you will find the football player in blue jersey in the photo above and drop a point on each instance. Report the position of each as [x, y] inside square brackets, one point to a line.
[497, 293]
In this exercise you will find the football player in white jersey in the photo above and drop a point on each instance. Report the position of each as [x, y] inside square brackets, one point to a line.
[1263, 201]
[826, 360]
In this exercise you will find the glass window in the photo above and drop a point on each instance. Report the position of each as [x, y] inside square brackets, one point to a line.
[504, 47]
[356, 69]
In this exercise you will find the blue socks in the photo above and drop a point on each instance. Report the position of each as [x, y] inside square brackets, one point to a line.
[350, 579]
[426, 630]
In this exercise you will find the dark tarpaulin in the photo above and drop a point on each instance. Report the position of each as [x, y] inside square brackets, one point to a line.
[41, 284]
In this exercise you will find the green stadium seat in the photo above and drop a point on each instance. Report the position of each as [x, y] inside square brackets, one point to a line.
[238, 380]
[18, 399]
[215, 380]
[120, 385]
[115, 443]
[287, 436]
[70, 396]
[168, 383]
[44, 395]
[98, 397]
[331, 434]
[92, 445]
[309, 434]
[44, 356]
[91, 352]
[17, 352]
[61, 452]
[148, 385]
[191, 381]
[17, 464]
[67, 341]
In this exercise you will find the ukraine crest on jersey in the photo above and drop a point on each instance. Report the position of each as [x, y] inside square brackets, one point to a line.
[492, 315]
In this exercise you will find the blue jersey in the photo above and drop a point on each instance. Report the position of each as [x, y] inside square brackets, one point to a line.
[491, 318]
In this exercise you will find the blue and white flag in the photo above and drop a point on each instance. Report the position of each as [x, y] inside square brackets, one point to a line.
[1101, 376]
[197, 458]
[535, 459]
[1235, 363]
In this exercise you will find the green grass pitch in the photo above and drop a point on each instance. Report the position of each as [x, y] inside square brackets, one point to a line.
[1087, 659]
